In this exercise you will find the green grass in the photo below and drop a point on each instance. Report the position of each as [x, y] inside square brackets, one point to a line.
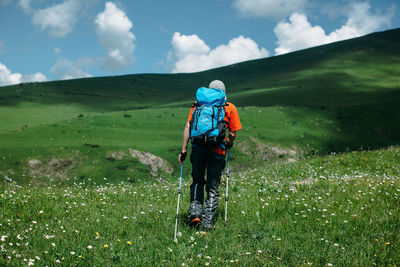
[89, 137]
[340, 209]
[71, 193]
[87, 140]
[333, 98]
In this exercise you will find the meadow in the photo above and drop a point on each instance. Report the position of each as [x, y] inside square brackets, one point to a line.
[333, 98]
[314, 172]
[336, 210]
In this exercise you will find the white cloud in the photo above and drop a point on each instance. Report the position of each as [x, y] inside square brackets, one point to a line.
[113, 30]
[57, 50]
[66, 69]
[298, 33]
[183, 45]
[25, 5]
[59, 20]
[276, 9]
[37, 77]
[361, 21]
[8, 78]
[190, 54]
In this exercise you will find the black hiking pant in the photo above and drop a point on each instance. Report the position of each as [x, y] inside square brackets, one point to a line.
[204, 159]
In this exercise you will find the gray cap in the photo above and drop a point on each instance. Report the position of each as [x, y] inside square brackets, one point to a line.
[217, 84]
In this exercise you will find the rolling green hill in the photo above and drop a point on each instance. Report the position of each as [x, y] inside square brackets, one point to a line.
[332, 98]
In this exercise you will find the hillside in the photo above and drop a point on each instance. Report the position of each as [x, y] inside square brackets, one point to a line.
[332, 98]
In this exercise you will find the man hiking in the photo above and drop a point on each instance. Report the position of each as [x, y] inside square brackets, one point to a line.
[208, 156]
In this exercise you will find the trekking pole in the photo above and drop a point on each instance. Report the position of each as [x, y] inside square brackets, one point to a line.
[177, 207]
[226, 192]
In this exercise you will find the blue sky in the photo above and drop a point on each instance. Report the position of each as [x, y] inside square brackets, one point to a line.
[43, 40]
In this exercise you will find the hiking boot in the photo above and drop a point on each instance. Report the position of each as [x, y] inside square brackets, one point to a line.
[208, 222]
[194, 221]
[196, 208]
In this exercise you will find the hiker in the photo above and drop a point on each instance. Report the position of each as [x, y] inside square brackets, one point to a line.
[208, 160]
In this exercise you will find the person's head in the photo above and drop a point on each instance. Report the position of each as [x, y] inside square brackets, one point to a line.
[217, 84]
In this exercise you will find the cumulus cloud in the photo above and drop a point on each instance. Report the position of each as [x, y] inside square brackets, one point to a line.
[190, 54]
[183, 45]
[298, 33]
[276, 9]
[25, 5]
[66, 69]
[8, 78]
[113, 30]
[59, 20]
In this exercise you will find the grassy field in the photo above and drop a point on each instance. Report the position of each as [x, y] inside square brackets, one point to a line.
[89, 172]
[333, 98]
[337, 210]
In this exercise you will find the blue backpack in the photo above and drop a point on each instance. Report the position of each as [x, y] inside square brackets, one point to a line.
[208, 127]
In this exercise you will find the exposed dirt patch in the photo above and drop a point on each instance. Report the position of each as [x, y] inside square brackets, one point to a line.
[285, 152]
[54, 168]
[156, 163]
[60, 165]
[116, 155]
[34, 163]
[268, 152]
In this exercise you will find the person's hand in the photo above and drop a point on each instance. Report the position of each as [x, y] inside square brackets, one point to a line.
[182, 157]
[229, 145]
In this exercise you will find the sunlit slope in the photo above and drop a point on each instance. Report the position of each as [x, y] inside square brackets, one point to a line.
[333, 98]
[321, 75]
